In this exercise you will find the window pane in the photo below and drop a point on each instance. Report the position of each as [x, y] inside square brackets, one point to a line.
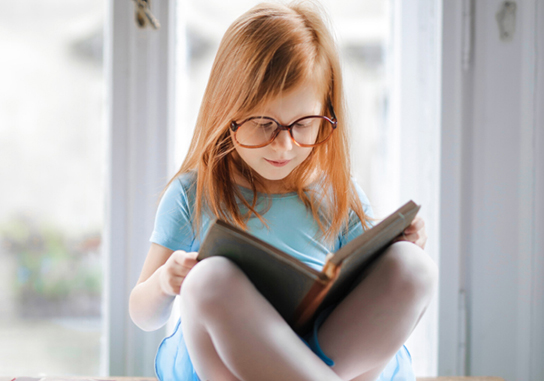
[52, 150]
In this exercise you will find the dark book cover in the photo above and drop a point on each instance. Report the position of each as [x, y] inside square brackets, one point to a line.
[297, 291]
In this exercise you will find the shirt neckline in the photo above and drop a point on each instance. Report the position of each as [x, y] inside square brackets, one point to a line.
[271, 195]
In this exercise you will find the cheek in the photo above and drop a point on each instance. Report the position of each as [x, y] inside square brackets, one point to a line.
[249, 156]
[304, 153]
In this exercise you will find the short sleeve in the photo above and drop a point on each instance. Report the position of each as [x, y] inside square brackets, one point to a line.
[355, 228]
[173, 222]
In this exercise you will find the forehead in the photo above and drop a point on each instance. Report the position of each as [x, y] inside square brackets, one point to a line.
[303, 100]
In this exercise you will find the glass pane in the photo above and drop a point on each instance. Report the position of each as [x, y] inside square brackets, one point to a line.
[52, 150]
[361, 29]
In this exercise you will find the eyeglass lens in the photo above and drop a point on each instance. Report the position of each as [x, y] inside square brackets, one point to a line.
[307, 131]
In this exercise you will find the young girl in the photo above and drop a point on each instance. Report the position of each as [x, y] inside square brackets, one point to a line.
[270, 154]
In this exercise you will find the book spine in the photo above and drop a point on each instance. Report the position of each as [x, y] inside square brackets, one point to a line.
[311, 302]
[329, 269]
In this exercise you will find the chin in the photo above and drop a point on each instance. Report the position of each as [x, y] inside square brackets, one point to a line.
[274, 178]
[280, 175]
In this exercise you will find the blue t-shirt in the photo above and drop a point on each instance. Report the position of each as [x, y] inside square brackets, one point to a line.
[291, 227]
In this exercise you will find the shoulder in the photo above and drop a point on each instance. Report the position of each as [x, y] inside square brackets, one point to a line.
[174, 217]
[179, 196]
[184, 182]
[182, 187]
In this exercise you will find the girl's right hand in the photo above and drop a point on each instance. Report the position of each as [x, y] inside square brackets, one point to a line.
[174, 271]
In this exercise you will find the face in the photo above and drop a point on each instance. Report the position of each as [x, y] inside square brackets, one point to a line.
[277, 160]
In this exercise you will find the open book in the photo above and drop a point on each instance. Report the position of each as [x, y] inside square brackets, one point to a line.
[297, 291]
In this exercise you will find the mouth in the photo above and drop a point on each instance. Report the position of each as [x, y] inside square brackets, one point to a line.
[278, 163]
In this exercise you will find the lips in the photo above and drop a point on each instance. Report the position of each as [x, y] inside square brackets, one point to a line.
[278, 163]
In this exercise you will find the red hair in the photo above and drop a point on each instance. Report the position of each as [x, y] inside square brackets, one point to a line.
[271, 49]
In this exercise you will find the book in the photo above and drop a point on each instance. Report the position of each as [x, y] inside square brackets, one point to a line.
[297, 291]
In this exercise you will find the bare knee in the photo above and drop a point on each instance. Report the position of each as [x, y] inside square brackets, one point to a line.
[211, 284]
[411, 272]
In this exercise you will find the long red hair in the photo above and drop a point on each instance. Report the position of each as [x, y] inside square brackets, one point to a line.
[271, 49]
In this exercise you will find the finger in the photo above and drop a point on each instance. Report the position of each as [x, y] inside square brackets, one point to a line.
[184, 259]
[411, 237]
[416, 225]
[183, 268]
[175, 288]
[188, 262]
[176, 280]
[173, 285]
[410, 229]
[176, 268]
[420, 232]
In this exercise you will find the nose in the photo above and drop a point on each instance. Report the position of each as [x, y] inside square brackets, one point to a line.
[282, 142]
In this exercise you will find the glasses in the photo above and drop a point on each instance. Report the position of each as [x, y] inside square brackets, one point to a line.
[308, 131]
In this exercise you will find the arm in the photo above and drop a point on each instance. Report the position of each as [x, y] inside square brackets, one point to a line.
[151, 300]
[166, 265]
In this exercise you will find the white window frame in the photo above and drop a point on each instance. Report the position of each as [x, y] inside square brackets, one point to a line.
[140, 102]
[492, 255]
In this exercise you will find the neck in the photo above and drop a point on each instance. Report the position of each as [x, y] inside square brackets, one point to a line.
[263, 185]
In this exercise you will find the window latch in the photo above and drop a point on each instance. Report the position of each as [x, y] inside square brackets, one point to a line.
[506, 18]
[144, 15]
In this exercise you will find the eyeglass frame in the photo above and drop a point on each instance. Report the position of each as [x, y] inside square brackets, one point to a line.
[289, 128]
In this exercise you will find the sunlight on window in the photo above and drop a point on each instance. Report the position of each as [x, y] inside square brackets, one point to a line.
[52, 148]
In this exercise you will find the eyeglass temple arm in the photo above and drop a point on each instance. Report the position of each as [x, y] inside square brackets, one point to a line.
[332, 112]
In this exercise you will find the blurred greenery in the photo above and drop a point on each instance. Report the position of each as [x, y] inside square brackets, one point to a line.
[56, 274]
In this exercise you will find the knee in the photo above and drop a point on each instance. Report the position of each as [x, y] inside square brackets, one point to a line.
[211, 284]
[411, 271]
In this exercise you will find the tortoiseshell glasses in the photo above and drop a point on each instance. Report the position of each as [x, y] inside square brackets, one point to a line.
[308, 131]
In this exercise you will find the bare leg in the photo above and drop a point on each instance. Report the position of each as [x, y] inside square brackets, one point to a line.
[232, 332]
[371, 324]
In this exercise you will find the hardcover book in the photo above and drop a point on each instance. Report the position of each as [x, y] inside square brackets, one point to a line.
[297, 291]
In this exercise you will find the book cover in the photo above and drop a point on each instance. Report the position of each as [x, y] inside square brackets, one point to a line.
[297, 291]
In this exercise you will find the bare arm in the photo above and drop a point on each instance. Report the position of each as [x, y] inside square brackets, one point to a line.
[160, 281]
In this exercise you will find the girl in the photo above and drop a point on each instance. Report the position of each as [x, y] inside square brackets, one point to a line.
[270, 154]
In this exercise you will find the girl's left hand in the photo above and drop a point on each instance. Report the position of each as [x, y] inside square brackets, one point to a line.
[415, 233]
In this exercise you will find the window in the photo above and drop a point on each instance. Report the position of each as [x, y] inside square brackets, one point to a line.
[52, 145]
